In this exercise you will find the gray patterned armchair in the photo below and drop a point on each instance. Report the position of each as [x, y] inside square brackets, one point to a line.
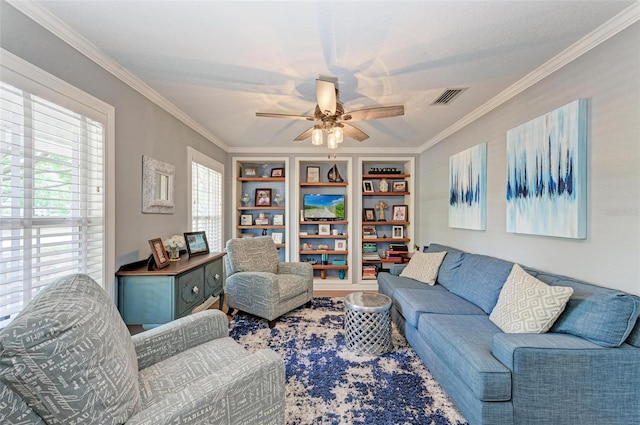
[68, 358]
[259, 284]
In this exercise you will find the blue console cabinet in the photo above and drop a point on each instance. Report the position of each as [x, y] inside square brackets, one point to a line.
[153, 297]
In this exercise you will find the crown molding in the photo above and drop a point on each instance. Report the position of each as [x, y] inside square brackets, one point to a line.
[308, 148]
[596, 37]
[57, 27]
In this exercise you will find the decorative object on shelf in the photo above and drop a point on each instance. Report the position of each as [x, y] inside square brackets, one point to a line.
[157, 186]
[340, 245]
[384, 170]
[467, 188]
[262, 220]
[196, 243]
[277, 172]
[381, 206]
[277, 237]
[313, 174]
[397, 232]
[264, 171]
[159, 253]
[246, 219]
[323, 274]
[384, 185]
[264, 232]
[367, 186]
[324, 259]
[246, 199]
[278, 219]
[546, 174]
[399, 213]
[324, 229]
[334, 174]
[174, 243]
[277, 199]
[369, 214]
[341, 274]
[249, 172]
[263, 197]
[400, 186]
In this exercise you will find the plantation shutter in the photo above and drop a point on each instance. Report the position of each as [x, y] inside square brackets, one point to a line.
[206, 199]
[52, 196]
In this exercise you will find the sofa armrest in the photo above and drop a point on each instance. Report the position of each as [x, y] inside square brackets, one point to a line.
[396, 269]
[160, 343]
[570, 379]
[251, 390]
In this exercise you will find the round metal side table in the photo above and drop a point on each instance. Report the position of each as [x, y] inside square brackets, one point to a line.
[367, 323]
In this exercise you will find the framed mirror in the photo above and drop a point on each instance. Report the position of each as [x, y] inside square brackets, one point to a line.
[157, 186]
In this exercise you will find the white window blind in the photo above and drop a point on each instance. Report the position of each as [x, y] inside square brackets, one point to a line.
[52, 196]
[206, 199]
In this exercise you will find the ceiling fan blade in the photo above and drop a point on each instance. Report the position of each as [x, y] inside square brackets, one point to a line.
[354, 133]
[304, 135]
[326, 95]
[286, 116]
[374, 113]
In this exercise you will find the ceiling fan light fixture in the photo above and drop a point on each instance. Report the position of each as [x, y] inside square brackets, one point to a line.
[338, 132]
[316, 136]
[331, 141]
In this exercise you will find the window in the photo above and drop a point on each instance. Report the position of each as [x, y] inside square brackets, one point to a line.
[52, 187]
[206, 197]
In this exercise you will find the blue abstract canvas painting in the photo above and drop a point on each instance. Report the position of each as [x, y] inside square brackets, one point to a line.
[467, 188]
[546, 174]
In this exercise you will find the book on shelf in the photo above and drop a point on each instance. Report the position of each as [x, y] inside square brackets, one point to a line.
[398, 247]
[369, 232]
[369, 272]
[369, 247]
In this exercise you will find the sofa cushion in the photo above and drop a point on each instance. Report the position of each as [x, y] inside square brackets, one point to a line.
[528, 305]
[388, 284]
[634, 336]
[424, 266]
[450, 264]
[69, 355]
[463, 343]
[252, 255]
[411, 303]
[480, 278]
[601, 315]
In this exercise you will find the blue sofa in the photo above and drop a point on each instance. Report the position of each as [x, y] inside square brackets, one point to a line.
[585, 370]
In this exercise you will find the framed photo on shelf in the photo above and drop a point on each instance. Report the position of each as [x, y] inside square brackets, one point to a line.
[263, 197]
[196, 243]
[367, 186]
[159, 253]
[277, 172]
[341, 245]
[249, 172]
[313, 174]
[277, 237]
[324, 229]
[397, 232]
[278, 219]
[246, 219]
[399, 213]
[369, 214]
[399, 186]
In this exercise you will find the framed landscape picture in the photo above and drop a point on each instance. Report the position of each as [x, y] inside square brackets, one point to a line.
[196, 243]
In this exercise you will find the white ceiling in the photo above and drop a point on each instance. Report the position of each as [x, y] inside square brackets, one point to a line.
[220, 61]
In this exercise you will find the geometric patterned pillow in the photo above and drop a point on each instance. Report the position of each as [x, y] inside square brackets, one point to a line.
[528, 305]
[424, 266]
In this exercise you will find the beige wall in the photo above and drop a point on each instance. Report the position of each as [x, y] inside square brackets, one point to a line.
[608, 76]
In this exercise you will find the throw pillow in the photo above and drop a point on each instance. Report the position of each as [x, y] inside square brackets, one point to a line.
[528, 305]
[424, 266]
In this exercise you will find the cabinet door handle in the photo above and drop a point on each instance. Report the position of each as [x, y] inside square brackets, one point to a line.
[216, 276]
[195, 290]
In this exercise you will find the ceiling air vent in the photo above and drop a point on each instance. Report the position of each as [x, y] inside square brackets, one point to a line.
[448, 96]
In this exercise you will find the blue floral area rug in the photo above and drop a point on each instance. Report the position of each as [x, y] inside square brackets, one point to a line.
[326, 383]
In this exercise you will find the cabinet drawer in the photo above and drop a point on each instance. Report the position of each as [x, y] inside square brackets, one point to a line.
[189, 291]
[213, 278]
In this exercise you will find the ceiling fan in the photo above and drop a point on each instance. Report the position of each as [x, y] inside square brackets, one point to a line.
[331, 118]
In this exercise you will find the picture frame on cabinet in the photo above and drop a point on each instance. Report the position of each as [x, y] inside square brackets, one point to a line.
[278, 219]
[246, 219]
[399, 186]
[159, 253]
[313, 174]
[196, 243]
[397, 232]
[249, 172]
[263, 197]
[341, 245]
[367, 186]
[369, 214]
[277, 172]
[399, 213]
[324, 229]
